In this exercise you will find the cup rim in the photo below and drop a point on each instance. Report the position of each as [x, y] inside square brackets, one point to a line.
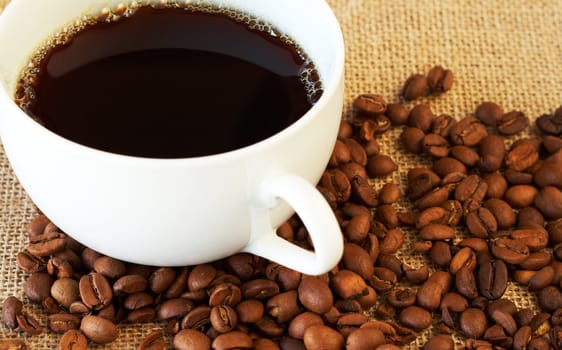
[330, 88]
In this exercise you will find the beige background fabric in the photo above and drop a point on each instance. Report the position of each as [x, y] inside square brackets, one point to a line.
[509, 52]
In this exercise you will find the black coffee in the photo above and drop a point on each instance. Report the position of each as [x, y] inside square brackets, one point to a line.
[170, 83]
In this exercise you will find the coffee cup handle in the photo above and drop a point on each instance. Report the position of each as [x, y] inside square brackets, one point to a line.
[314, 212]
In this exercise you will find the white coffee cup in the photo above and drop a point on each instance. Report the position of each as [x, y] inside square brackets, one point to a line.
[171, 212]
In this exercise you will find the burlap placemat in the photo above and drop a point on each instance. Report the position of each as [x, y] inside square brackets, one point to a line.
[509, 52]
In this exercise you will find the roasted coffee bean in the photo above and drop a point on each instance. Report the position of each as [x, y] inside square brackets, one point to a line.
[465, 155]
[471, 191]
[357, 152]
[358, 228]
[59, 268]
[436, 215]
[538, 343]
[389, 194]
[347, 284]
[492, 277]
[473, 322]
[357, 260]
[380, 165]
[352, 170]
[503, 304]
[161, 279]
[269, 328]
[30, 263]
[454, 212]
[65, 291]
[61, 323]
[421, 181]
[520, 196]
[144, 314]
[429, 295]
[548, 173]
[228, 293]
[322, 337]
[129, 284]
[223, 318]
[509, 250]
[259, 289]
[468, 131]
[383, 279]
[386, 215]
[28, 324]
[463, 257]
[110, 267]
[153, 341]
[338, 183]
[38, 287]
[397, 113]
[401, 297]
[489, 113]
[440, 253]
[368, 105]
[436, 232]
[535, 238]
[421, 117]
[340, 155]
[439, 80]
[416, 276]
[301, 322]
[465, 283]
[283, 306]
[415, 317]
[442, 125]
[433, 198]
[392, 241]
[549, 201]
[138, 300]
[435, 145]
[497, 185]
[173, 308]
[367, 130]
[552, 144]
[536, 260]
[73, 339]
[512, 122]
[350, 322]
[541, 279]
[199, 317]
[411, 139]
[452, 302]
[95, 291]
[345, 130]
[550, 123]
[550, 298]
[201, 277]
[415, 86]
[363, 192]
[11, 307]
[439, 342]
[481, 222]
[522, 338]
[37, 226]
[190, 339]
[504, 214]
[46, 243]
[521, 157]
[364, 338]
[492, 152]
[98, 329]
[448, 165]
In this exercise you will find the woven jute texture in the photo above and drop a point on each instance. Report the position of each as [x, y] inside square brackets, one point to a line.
[505, 51]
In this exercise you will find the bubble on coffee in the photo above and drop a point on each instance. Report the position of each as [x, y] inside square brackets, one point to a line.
[29, 93]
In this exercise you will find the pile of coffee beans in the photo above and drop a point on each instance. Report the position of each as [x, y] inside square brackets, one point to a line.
[486, 214]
